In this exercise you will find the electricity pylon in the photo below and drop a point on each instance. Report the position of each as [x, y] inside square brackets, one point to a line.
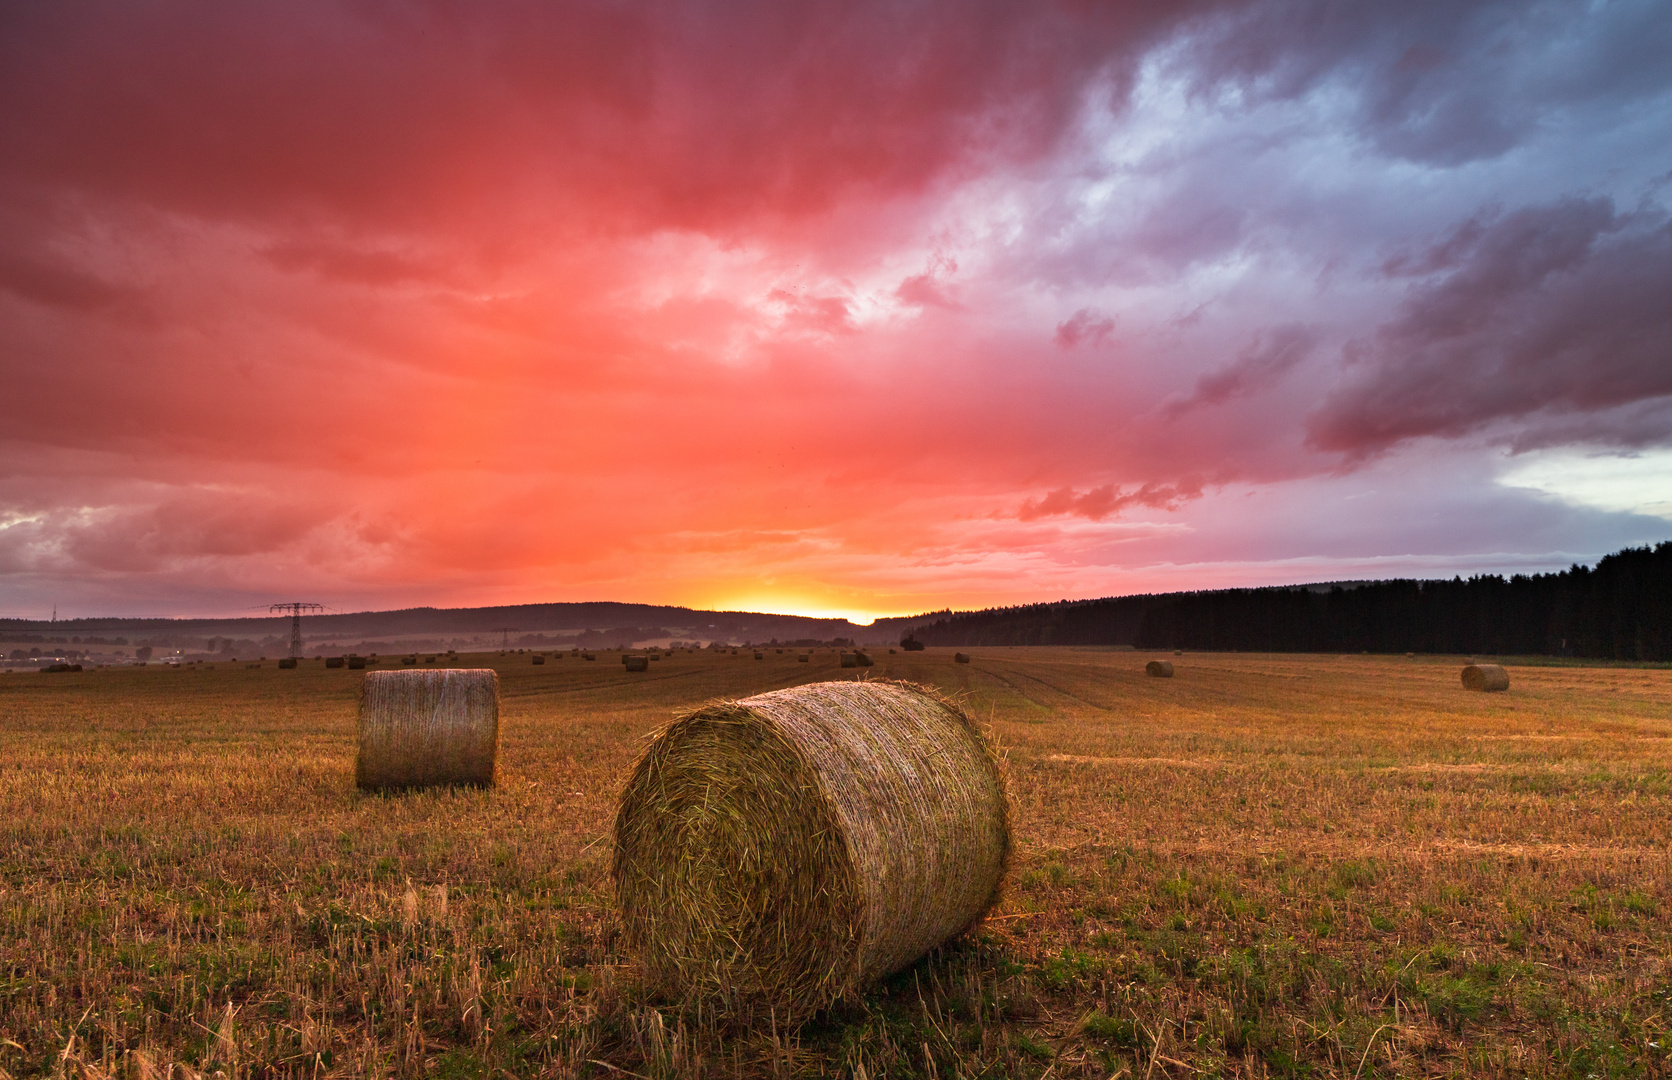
[296, 607]
[505, 640]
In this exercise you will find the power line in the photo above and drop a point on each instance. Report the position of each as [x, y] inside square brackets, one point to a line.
[296, 607]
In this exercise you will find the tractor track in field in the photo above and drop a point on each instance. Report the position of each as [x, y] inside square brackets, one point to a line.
[1049, 685]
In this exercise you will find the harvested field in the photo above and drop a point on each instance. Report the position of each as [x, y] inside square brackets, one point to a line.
[1282, 865]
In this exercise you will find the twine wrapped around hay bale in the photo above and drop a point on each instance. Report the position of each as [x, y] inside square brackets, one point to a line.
[1487, 677]
[423, 728]
[1159, 669]
[779, 853]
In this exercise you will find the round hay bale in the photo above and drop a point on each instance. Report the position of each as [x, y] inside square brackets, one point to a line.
[636, 663]
[777, 854]
[960, 658]
[1486, 677]
[1160, 669]
[424, 728]
[848, 659]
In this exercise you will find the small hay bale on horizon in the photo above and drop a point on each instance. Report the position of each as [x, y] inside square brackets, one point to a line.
[428, 728]
[1159, 669]
[636, 663]
[778, 854]
[960, 658]
[1487, 678]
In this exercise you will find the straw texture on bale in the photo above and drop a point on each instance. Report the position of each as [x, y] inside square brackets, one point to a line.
[1160, 669]
[777, 854]
[1488, 677]
[424, 728]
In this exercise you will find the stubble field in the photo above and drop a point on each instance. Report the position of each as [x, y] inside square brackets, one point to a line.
[1267, 865]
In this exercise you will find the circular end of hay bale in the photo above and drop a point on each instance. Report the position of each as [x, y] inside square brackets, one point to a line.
[777, 854]
[1488, 678]
[1159, 669]
[428, 728]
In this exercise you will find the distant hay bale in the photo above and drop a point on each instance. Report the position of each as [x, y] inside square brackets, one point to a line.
[538, 660]
[287, 662]
[1486, 677]
[588, 656]
[805, 659]
[1159, 669]
[848, 659]
[636, 663]
[333, 661]
[760, 656]
[356, 663]
[424, 728]
[960, 658]
[780, 853]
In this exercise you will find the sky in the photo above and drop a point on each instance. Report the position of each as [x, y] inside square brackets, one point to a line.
[848, 308]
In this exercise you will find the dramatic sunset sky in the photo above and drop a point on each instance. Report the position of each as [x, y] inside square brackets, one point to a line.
[853, 308]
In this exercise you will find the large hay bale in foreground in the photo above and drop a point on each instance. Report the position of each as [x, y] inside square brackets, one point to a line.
[776, 854]
[1159, 669]
[424, 728]
[1487, 677]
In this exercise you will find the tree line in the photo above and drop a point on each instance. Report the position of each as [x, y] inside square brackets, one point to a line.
[1621, 609]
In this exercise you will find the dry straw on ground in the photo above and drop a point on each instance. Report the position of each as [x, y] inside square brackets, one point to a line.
[425, 728]
[1160, 669]
[1487, 677]
[776, 854]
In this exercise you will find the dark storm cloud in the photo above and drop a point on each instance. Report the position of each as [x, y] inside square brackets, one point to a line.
[1265, 360]
[1443, 81]
[1553, 314]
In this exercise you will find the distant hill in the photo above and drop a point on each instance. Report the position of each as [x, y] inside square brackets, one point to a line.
[1620, 609]
[601, 622]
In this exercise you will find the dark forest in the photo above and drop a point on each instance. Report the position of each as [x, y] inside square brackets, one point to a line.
[1621, 609]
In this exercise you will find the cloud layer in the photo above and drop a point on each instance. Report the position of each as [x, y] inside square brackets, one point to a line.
[836, 307]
